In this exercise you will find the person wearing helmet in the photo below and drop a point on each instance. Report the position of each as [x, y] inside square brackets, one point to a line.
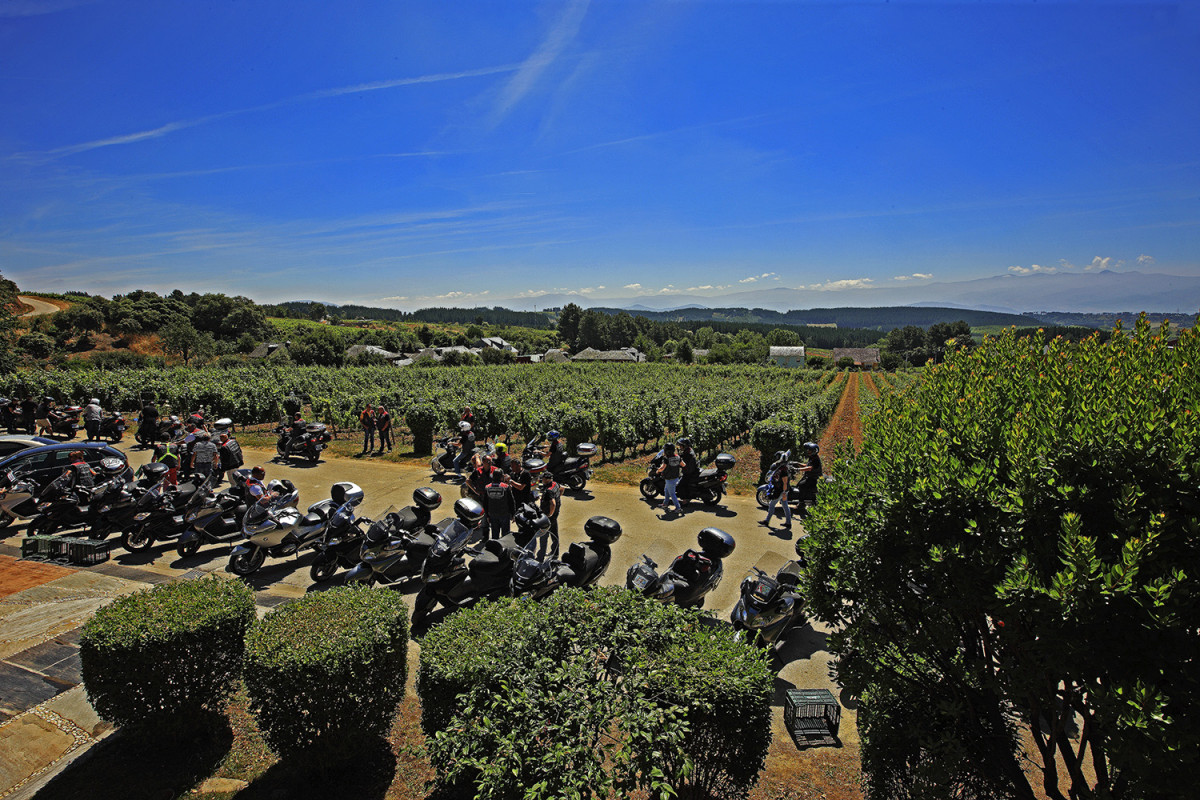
[92, 415]
[255, 488]
[670, 469]
[466, 446]
[556, 452]
[501, 460]
[777, 491]
[813, 471]
[550, 503]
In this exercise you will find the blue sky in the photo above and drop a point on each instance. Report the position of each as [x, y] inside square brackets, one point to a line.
[433, 153]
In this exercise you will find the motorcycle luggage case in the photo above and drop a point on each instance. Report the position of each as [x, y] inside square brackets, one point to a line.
[314, 427]
[585, 449]
[602, 529]
[725, 461]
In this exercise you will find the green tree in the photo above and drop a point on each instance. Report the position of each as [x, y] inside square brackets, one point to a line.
[179, 338]
[568, 323]
[1016, 546]
[782, 337]
[683, 352]
[316, 311]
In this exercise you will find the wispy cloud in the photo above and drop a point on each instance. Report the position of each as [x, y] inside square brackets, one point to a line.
[1017, 269]
[916, 276]
[172, 127]
[1145, 260]
[634, 286]
[559, 36]
[663, 134]
[834, 286]
[756, 278]
[1107, 262]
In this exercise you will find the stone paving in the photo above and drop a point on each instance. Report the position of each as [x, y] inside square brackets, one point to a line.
[45, 720]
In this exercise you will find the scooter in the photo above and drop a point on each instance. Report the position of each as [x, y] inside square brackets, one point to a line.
[307, 445]
[218, 518]
[113, 427]
[768, 606]
[392, 550]
[708, 487]
[278, 529]
[692, 575]
[66, 422]
[575, 471]
[582, 566]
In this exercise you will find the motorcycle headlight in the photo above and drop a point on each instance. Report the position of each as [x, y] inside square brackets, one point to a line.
[753, 619]
[105, 509]
[141, 516]
[44, 506]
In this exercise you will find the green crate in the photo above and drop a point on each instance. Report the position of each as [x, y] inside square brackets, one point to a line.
[87, 551]
[44, 548]
[812, 714]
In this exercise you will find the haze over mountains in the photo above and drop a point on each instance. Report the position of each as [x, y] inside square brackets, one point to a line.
[1091, 292]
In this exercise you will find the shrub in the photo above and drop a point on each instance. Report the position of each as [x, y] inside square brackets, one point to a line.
[421, 419]
[166, 652]
[589, 694]
[769, 437]
[328, 669]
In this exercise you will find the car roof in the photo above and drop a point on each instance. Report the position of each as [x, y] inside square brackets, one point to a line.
[24, 437]
[51, 448]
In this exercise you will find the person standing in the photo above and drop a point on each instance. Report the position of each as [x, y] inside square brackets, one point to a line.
[813, 471]
[777, 492]
[205, 456]
[367, 418]
[229, 454]
[8, 415]
[520, 480]
[671, 469]
[500, 505]
[29, 414]
[502, 460]
[92, 415]
[466, 446]
[148, 423]
[383, 421]
[550, 503]
[42, 416]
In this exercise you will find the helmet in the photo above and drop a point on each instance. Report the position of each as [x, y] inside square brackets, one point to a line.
[112, 466]
[547, 476]
[275, 486]
[811, 448]
[464, 426]
[668, 448]
[501, 447]
[715, 542]
[427, 498]
[468, 511]
[95, 401]
[47, 399]
[258, 473]
[552, 434]
[602, 529]
[781, 455]
[683, 442]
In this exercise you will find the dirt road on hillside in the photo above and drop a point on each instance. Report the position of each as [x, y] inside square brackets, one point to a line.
[39, 306]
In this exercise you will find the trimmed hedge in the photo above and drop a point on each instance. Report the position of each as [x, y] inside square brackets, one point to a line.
[589, 694]
[328, 668]
[421, 420]
[166, 652]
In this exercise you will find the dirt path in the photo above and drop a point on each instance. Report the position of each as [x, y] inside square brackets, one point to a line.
[39, 306]
[846, 422]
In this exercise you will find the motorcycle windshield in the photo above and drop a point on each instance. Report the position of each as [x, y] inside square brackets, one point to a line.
[452, 537]
[151, 497]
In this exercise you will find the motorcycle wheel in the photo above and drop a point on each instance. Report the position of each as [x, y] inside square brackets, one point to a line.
[435, 464]
[188, 548]
[116, 437]
[648, 489]
[247, 563]
[323, 569]
[137, 539]
[761, 497]
[42, 527]
[710, 497]
[142, 440]
[314, 458]
[576, 482]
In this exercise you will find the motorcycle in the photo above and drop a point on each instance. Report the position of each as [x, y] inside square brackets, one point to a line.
[692, 575]
[218, 517]
[160, 429]
[65, 422]
[18, 496]
[113, 427]
[115, 511]
[575, 471]
[797, 497]
[161, 513]
[583, 564]
[278, 529]
[768, 606]
[708, 487]
[392, 550]
[307, 445]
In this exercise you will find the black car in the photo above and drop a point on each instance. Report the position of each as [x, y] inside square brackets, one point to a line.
[44, 464]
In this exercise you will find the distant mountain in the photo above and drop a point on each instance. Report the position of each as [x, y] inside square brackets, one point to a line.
[1084, 292]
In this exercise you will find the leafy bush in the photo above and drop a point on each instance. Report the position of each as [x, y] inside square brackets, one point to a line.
[769, 437]
[328, 669]
[421, 419]
[166, 652]
[589, 694]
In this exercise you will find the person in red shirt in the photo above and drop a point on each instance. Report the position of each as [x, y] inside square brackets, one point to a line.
[383, 421]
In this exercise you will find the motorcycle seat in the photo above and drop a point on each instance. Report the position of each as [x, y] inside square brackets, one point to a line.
[581, 558]
[493, 560]
[312, 519]
[185, 490]
[569, 464]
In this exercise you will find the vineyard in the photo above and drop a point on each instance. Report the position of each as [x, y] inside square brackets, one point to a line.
[619, 407]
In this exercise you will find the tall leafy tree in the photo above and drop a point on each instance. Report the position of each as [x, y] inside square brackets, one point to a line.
[1017, 546]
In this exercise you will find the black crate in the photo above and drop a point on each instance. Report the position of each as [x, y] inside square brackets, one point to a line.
[86, 551]
[812, 714]
[44, 548]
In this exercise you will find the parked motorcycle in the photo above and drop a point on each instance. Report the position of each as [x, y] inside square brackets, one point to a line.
[768, 606]
[162, 429]
[116, 510]
[65, 422]
[113, 427]
[575, 471]
[161, 513]
[691, 576]
[218, 517]
[18, 496]
[582, 566]
[60, 507]
[708, 487]
[307, 445]
[278, 529]
[392, 550]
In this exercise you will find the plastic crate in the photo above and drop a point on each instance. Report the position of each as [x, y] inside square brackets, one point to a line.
[812, 714]
[87, 551]
[44, 548]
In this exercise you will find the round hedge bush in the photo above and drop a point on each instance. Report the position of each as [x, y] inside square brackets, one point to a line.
[328, 668]
[167, 652]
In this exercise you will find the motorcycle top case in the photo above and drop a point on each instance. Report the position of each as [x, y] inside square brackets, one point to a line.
[725, 461]
[585, 449]
[314, 427]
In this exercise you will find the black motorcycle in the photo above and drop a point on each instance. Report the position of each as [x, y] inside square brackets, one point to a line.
[308, 444]
[161, 513]
[159, 429]
[392, 550]
[574, 472]
[218, 517]
[113, 427]
[768, 606]
[65, 422]
[278, 529]
[692, 575]
[708, 487]
[583, 565]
